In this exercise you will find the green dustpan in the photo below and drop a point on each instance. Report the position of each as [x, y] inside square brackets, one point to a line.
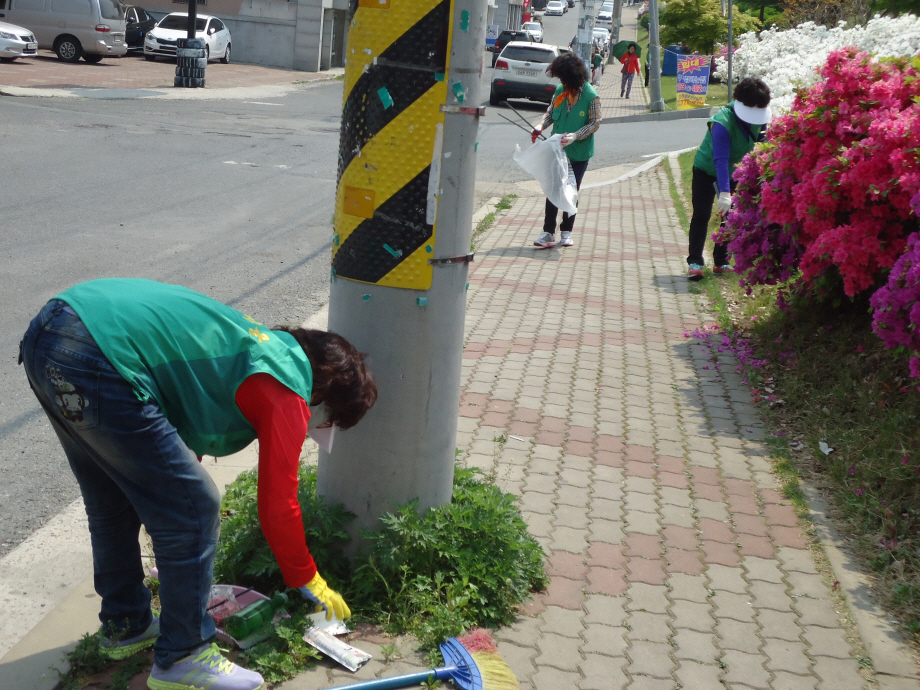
[619, 50]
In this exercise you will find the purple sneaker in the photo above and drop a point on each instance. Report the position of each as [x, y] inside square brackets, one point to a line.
[122, 649]
[204, 669]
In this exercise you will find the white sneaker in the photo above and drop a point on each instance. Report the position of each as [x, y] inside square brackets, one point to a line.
[566, 240]
[546, 239]
[204, 668]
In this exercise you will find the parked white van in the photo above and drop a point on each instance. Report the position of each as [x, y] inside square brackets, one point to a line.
[91, 29]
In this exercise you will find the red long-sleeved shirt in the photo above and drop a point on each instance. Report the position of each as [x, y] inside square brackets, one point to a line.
[632, 62]
[280, 418]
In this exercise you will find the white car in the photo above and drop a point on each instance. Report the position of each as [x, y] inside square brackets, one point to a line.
[535, 29]
[161, 39]
[16, 42]
[601, 37]
[521, 72]
[604, 20]
[555, 8]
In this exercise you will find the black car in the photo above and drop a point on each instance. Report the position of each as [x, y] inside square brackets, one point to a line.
[137, 23]
[505, 37]
[571, 3]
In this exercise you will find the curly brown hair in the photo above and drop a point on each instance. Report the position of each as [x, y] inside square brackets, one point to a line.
[570, 70]
[341, 379]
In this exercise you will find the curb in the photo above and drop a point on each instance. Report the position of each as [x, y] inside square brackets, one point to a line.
[892, 660]
[702, 113]
[166, 93]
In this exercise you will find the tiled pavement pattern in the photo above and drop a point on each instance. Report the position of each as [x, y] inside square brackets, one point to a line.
[674, 560]
[609, 91]
[134, 72]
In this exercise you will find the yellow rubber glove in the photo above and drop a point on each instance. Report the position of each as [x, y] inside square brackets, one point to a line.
[327, 598]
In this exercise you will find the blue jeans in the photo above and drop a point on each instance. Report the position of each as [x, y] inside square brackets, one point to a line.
[132, 469]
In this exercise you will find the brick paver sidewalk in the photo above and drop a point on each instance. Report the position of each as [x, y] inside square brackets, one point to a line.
[673, 557]
[609, 90]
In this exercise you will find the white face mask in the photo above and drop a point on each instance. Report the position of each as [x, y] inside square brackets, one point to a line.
[323, 437]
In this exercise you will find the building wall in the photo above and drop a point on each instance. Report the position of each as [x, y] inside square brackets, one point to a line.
[294, 35]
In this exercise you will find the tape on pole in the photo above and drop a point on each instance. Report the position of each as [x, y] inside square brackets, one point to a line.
[390, 147]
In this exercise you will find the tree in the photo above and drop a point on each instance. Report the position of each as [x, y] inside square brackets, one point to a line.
[699, 24]
[829, 12]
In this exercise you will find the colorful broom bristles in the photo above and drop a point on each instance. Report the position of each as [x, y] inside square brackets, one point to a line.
[496, 675]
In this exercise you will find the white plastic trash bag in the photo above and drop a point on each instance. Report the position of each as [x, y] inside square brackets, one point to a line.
[547, 162]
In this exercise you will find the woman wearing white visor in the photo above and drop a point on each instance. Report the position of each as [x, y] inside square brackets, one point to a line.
[733, 131]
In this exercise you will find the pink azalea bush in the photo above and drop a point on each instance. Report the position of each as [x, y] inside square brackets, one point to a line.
[836, 191]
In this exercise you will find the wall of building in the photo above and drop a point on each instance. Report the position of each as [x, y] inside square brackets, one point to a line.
[302, 34]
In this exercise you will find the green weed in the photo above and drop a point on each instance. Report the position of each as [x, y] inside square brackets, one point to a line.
[489, 220]
[505, 202]
[243, 555]
[430, 574]
[433, 574]
[87, 660]
[284, 654]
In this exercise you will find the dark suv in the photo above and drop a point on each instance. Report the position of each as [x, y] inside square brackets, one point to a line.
[504, 38]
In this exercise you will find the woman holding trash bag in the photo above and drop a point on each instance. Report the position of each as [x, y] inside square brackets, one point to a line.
[597, 67]
[630, 69]
[732, 133]
[575, 113]
[137, 379]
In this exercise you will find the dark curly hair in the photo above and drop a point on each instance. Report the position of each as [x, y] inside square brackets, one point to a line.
[752, 92]
[341, 379]
[570, 70]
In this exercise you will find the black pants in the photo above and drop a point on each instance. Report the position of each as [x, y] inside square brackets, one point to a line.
[704, 194]
[549, 222]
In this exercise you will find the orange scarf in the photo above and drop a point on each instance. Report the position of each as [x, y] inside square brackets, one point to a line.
[570, 95]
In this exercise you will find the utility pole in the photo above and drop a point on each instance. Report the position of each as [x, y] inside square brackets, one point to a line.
[585, 42]
[615, 29]
[401, 245]
[730, 46]
[654, 59]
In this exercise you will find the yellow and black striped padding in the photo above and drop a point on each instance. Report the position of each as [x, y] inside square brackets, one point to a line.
[395, 84]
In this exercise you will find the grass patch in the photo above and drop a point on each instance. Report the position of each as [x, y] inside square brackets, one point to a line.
[87, 664]
[827, 379]
[718, 93]
[430, 574]
[489, 219]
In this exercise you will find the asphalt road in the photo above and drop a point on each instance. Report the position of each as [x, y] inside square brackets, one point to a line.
[614, 144]
[230, 198]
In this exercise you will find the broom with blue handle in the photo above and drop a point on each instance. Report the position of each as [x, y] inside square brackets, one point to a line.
[471, 662]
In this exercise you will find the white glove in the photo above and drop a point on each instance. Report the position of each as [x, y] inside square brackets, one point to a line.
[567, 139]
[724, 204]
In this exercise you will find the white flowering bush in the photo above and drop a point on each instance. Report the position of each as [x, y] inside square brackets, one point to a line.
[787, 60]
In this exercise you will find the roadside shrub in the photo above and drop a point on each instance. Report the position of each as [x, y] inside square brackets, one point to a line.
[827, 203]
[432, 574]
[470, 562]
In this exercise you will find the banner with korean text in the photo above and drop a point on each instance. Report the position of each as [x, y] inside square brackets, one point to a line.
[692, 81]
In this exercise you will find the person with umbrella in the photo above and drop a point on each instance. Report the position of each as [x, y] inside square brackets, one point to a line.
[630, 62]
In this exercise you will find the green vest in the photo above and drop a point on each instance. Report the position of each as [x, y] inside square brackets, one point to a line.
[188, 352]
[741, 143]
[565, 121]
